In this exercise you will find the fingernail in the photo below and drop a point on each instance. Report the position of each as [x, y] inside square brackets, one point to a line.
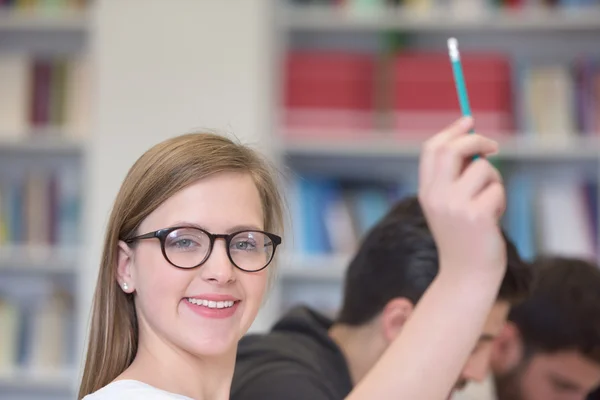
[466, 121]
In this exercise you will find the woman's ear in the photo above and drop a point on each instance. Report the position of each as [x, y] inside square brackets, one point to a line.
[125, 267]
[507, 351]
[394, 316]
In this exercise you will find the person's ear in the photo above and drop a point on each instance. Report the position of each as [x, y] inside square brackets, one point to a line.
[395, 314]
[125, 268]
[507, 351]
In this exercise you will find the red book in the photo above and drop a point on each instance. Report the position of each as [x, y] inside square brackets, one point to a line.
[40, 99]
[324, 88]
[329, 80]
[425, 95]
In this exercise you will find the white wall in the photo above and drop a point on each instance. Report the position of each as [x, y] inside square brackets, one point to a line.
[164, 68]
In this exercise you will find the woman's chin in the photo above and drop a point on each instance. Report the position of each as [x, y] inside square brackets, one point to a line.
[213, 347]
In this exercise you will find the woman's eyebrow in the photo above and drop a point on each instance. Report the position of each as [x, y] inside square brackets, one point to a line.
[250, 227]
[187, 224]
[236, 228]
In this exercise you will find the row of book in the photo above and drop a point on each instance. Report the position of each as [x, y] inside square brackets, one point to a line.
[43, 5]
[543, 215]
[40, 208]
[43, 94]
[553, 215]
[413, 93]
[547, 217]
[368, 5]
[37, 326]
[331, 216]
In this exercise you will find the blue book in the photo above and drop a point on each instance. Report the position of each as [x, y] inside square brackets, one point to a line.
[314, 193]
[371, 204]
[15, 211]
[519, 218]
[69, 207]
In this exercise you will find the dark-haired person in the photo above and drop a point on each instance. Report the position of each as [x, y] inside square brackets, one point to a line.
[308, 356]
[550, 348]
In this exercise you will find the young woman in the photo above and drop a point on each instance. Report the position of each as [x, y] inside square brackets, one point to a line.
[189, 250]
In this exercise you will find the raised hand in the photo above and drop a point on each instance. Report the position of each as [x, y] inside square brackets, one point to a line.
[463, 200]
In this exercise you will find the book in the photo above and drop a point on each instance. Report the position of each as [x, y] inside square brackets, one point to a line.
[44, 95]
[41, 207]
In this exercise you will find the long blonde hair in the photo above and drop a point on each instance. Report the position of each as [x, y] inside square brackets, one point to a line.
[162, 171]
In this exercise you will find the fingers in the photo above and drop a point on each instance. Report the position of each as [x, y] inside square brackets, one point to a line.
[492, 198]
[431, 147]
[477, 177]
[447, 171]
[456, 129]
[444, 156]
[452, 156]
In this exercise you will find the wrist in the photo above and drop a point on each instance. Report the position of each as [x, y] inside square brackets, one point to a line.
[471, 279]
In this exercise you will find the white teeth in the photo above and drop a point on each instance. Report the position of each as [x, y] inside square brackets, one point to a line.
[211, 304]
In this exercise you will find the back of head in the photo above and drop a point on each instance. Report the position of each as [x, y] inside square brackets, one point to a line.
[157, 175]
[563, 311]
[398, 258]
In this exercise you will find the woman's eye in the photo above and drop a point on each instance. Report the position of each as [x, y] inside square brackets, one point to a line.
[183, 243]
[244, 245]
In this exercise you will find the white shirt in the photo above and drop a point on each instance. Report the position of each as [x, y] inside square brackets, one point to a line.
[485, 390]
[132, 390]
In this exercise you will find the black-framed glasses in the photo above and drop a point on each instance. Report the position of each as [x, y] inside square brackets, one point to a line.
[189, 247]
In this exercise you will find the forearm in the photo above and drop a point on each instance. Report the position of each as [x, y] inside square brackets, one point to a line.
[424, 361]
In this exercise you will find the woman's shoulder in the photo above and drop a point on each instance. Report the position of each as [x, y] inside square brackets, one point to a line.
[131, 390]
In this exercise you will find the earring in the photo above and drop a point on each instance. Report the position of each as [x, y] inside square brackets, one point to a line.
[125, 286]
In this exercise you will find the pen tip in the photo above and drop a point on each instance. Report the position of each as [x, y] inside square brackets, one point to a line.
[453, 49]
[452, 43]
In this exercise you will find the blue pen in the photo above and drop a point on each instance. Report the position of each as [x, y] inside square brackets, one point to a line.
[459, 80]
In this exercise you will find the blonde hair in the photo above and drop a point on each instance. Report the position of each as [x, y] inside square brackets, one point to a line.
[162, 171]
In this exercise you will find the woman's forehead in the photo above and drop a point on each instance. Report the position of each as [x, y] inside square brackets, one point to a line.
[221, 202]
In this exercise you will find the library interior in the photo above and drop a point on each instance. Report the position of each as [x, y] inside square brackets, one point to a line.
[339, 95]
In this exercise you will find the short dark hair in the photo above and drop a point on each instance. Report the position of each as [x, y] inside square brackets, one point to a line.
[563, 310]
[398, 258]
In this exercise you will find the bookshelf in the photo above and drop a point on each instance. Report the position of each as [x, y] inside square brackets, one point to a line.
[43, 130]
[549, 171]
[204, 93]
[33, 385]
[517, 148]
[40, 143]
[38, 259]
[325, 18]
[19, 380]
[73, 21]
[326, 268]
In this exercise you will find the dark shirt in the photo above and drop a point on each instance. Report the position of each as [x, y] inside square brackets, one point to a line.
[296, 360]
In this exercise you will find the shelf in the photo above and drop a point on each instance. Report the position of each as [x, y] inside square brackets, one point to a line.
[37, 259]
[326, 18]
[43, 22]
[322, 268]
[515, 149]
[40, 141]
[23, 379]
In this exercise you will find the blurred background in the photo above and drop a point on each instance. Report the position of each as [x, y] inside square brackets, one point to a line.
[339, 94]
